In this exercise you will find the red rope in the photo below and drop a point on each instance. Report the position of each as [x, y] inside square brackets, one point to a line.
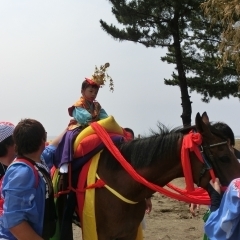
[98, 184]
[103, 135]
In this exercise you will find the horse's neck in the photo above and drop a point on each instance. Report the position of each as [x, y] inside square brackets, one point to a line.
[158, 171]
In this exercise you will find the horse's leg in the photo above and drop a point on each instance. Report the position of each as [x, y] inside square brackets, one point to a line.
[130, 237]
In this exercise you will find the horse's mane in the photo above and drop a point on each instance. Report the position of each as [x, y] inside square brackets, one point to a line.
[158, 145]
[144, 151]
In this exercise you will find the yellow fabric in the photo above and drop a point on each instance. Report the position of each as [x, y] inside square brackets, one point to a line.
[55, 180]
[117, 194]
[140, 233]
[89, 221]
[89, 229]
[108, 123]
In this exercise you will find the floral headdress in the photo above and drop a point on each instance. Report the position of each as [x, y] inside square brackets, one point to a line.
[100, 77]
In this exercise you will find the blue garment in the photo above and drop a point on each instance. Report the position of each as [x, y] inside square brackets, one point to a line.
[224, 223]
[82, 116]
[22, 200]
[48, 155]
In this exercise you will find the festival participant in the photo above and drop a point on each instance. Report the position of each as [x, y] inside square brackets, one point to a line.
[84, 111]
[28, 209]
[224, 220]
[129, 133]
[7, 151]
[87, 109]
[228, 133]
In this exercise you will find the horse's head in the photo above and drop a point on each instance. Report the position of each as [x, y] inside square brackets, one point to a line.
[216, 153]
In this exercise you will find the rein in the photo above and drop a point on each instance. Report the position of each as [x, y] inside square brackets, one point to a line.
[207, 163]
[103, 135]
[215, 144]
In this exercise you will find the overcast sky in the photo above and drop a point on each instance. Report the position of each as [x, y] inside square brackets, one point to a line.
[47, 48]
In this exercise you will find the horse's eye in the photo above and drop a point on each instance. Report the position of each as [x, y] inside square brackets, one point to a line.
[224, 159]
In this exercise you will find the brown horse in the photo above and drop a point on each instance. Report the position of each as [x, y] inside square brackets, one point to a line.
[158, 159]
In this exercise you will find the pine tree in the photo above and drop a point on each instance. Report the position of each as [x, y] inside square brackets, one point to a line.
[192, 45]
[201, 58]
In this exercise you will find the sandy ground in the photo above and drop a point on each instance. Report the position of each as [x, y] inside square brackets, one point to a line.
[170, 219]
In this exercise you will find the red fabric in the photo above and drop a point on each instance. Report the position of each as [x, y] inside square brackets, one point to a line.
[198, 192]
[190, 143]
[91, 82]
[88, 144]
[116, 153]
[98, 184]
[81, 187]
[52, 171]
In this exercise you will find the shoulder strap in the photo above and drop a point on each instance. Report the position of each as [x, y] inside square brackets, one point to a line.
[30, 164]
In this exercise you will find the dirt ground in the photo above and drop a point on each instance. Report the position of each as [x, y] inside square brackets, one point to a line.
[170, 219]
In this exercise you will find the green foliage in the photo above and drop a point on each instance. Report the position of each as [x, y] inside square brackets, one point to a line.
[200, 59]
[152, 24]
[191, 40]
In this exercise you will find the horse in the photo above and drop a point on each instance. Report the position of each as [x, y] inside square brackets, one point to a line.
[157, 158]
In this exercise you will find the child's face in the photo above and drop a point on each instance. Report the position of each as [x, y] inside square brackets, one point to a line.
[90, 93]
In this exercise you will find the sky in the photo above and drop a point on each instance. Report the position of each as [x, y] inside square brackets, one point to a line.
[47, 48]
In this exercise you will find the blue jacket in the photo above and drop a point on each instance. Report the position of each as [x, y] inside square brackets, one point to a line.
[19, 189]
[83, 117]
[224, 223]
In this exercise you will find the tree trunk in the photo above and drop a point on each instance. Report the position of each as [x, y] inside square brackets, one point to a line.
[186, 103]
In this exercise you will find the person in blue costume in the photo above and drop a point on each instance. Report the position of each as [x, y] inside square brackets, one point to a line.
[224, 220]
[28, 209]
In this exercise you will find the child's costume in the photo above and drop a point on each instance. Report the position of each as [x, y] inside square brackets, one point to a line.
[85, 111]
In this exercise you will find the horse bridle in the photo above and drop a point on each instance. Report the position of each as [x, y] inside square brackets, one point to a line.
[208, 159]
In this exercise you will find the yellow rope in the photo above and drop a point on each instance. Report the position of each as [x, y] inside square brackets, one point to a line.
[117, 194]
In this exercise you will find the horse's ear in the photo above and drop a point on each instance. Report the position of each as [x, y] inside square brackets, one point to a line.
[198, 122]
[202, 123]
[205, 118]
